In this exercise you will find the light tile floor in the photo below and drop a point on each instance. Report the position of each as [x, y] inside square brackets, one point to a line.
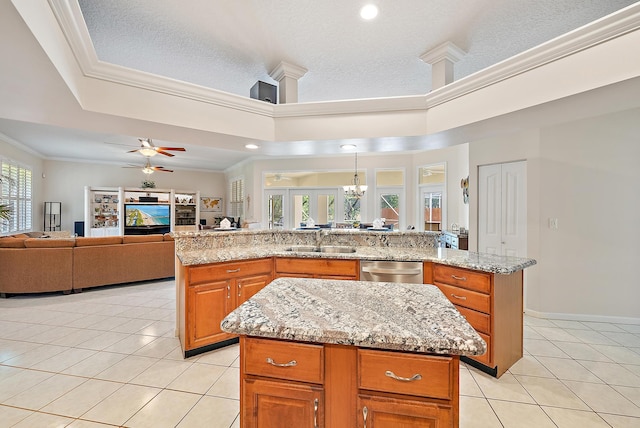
[108, 357]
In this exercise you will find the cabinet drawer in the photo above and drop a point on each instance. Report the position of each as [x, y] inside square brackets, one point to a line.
[478, 320]
[486, 357]
[200, 274]
[284, 360]
[467, 298]
[377, 368]
[332, 267]
[473, 280]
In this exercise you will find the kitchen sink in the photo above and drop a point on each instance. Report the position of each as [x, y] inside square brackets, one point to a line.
[324, 249]
[303, 249]
[337, 249]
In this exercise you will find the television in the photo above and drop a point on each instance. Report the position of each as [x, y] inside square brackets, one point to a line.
[143, 219]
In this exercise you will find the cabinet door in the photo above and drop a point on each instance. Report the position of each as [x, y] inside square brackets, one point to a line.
[276, 404]
[247, 287]
[208, 305]
[383, 412]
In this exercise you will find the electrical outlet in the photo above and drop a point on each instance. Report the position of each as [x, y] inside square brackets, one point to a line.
[553, 223]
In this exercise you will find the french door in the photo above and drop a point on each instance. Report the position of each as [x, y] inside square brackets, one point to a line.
[317, 204]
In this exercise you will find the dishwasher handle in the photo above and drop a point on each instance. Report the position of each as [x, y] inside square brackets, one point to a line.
[382, 271]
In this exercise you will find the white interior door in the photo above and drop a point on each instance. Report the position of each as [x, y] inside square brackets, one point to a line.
[502, 209]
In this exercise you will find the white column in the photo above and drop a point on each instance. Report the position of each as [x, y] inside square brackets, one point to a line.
[442, 58]
[287, 75]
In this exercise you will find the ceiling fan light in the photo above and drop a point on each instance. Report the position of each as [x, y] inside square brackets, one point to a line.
[148, 152]
[147, 170]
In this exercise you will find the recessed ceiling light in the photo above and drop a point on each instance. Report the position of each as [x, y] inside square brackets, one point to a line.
[251, 146]
[347, 146]
[369, 11]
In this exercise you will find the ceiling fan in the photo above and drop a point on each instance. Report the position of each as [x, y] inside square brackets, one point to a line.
[149, 169]
[148, 149]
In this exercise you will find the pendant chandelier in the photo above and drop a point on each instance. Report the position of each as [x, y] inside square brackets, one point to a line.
[355, 190]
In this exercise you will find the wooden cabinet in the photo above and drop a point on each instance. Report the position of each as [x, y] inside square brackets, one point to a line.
[282, 384]
[282, 404]
[210, 293]
[382, 412]
[492, 304]
[425, 390]
[290, 384]
[316, 268]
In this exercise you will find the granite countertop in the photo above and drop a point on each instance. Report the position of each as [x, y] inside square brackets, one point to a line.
[391, 316]
[460, 258]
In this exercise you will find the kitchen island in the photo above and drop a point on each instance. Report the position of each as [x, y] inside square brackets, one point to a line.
[324, 353]
[218, 271]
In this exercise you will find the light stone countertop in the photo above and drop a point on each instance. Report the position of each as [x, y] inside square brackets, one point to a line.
[381, 315]
[198, 248]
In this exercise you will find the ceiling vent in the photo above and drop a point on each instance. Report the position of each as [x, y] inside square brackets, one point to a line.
[265, 92]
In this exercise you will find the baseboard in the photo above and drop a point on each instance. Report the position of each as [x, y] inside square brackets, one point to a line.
[582, 317]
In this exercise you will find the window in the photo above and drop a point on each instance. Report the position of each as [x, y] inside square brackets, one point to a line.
[16, 194]
[236, 199]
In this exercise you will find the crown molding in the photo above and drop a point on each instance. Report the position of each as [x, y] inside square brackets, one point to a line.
[17, 144]
[609, 27]
[69, 17]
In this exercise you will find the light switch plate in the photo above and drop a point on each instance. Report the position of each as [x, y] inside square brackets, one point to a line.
[553, 223]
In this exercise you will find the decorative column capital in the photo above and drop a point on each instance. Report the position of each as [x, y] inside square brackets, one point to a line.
[284, 69]
[446, 50]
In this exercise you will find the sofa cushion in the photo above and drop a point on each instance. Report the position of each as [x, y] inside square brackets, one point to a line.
[21, 236]
[11, 242]
[48, 243]
[101, 240]
[132, 239]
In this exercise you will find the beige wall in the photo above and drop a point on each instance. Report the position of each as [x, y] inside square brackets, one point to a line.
[64, 182]
[456, 159]
[585, 174]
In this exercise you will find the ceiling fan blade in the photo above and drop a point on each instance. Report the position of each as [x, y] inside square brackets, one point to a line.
[135, 150]
[162, 152]
[161, 169]
[177, 149]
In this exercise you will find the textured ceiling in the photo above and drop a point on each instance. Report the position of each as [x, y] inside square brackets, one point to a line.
[229, 45]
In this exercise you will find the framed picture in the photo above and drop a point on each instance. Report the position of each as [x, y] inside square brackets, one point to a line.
[211, 204]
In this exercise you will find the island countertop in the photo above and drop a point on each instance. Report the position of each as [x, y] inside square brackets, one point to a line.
[390, 316]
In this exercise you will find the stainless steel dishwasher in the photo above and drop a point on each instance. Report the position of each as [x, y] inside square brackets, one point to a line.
[388, 271]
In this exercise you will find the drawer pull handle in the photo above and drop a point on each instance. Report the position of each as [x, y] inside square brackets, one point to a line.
[233, 270]
[392, 375]
[228, 291]
[365, 413]
[291, 363]
[459, 297]
[315, 413]
[239, 290]
[459, 278]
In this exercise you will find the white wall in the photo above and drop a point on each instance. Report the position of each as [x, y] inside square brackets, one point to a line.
[585, 174]
[65, 183]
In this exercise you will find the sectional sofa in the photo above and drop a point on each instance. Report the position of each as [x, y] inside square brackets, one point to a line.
[45, 264]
